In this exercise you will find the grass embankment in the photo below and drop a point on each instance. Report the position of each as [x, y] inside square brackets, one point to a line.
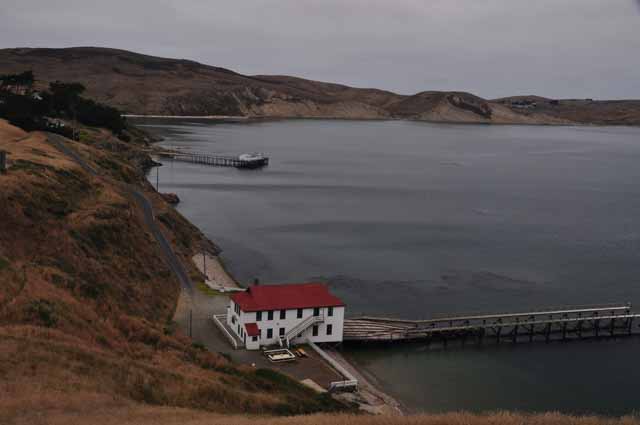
[139, 415]
[86, 298]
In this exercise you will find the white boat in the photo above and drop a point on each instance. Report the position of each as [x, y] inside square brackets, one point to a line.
[251, 157]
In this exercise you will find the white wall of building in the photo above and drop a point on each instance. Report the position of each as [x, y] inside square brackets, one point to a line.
[336, 322]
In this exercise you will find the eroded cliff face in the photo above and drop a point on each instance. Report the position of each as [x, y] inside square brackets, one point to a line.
[141, 84]
[263, 102]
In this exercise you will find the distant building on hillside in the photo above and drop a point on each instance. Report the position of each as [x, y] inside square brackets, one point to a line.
[284, 314]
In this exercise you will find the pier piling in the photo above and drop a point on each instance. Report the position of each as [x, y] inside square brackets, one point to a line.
[550, 324]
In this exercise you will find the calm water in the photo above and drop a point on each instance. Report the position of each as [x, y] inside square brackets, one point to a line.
[412, 219]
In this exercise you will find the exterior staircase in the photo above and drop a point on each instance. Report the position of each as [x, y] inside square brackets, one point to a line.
[300, 328]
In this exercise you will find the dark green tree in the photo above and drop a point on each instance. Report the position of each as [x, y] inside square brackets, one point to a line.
[17, 83]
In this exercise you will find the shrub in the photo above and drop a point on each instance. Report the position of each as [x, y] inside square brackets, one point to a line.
[44, 311]
[170, 328]
[4, 263]
[199, 346]
[93, 290]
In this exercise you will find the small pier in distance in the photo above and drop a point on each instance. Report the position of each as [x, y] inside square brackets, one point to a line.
[611, 320]
[242, 161]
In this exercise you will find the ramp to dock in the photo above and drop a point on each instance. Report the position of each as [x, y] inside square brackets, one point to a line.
[350, 383]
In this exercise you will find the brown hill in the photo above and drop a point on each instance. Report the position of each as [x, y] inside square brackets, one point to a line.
[141, 84]
[87, 297]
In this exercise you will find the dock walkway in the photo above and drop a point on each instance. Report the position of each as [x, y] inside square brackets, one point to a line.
[545, 324]
[215, 160]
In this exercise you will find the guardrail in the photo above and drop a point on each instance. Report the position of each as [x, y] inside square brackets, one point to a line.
[222, 327]
[350, 380]
[343, 385]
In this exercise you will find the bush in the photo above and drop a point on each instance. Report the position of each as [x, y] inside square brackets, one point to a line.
[199, 346]
[44, 311]
[4, 263]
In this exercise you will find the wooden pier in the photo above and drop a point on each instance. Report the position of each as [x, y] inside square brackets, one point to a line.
[540, 325]
[215, 160]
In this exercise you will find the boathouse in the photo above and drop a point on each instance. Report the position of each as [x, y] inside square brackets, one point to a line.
[286, 314]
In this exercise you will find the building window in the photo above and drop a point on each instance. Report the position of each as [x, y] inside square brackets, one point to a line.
[316, 311]
[281, 331]
[254, 338]
[283, 314]
[269, 333]
[329, 329]
[258, 316]
[330, 312]
[233, 319]
[315, 330]
[299, 313]
[270, 315]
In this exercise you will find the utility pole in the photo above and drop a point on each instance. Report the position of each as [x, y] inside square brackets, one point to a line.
[204, 265]
[158, 179]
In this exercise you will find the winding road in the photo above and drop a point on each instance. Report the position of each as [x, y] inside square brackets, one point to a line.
[170, 256]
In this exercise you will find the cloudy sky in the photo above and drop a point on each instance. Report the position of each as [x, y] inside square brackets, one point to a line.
[557, 48]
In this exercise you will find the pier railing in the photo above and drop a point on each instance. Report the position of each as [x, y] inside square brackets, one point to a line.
[215, 160]
[573, 322]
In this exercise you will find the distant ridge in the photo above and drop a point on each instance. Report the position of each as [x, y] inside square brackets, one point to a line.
[149, 85]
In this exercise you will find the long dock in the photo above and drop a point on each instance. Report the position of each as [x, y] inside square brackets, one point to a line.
[215, 160]
[545, 324]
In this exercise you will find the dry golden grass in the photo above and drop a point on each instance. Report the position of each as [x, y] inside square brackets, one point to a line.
[86, 296]
[119, 413]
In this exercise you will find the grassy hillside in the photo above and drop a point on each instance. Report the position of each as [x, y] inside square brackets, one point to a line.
[86, 296]
[128, 415]
[142, 84]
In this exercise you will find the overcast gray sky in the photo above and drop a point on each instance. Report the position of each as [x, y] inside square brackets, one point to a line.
[557, 48]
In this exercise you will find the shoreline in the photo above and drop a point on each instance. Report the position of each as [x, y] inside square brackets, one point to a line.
[371, 396]
[248, 119]
[375, 398]
[199, 117]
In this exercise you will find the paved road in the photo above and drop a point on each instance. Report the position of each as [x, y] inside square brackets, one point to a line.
[171, 258]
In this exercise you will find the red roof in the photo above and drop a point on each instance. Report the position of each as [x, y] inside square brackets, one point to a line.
[252, 329]
[283, 297]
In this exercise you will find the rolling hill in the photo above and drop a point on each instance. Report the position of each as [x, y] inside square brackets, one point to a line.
[148, 85]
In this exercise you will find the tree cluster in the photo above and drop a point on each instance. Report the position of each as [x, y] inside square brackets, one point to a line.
[31, 110]
[17, 83]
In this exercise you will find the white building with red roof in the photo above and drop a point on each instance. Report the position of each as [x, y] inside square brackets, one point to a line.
[286, 314]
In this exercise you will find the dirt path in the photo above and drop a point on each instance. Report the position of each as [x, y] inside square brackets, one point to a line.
[217, 277]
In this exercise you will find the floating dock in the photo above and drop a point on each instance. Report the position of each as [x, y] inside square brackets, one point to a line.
[610, 320]
[217, 160]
